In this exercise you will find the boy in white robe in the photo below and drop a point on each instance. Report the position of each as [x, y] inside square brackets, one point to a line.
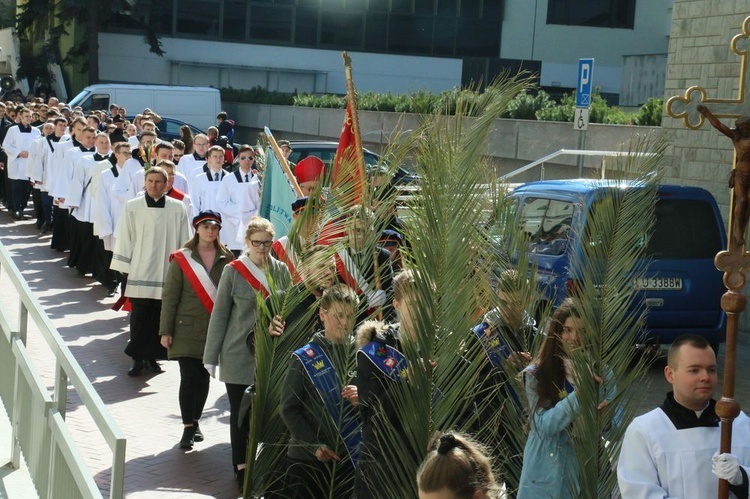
[673, 450]
[151, 228]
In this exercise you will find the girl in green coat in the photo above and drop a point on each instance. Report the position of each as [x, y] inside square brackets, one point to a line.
[187, 302]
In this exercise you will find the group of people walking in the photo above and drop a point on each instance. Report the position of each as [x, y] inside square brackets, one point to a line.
[210, 286]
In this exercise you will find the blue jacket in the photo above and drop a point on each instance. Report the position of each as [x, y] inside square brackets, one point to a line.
[550, 466]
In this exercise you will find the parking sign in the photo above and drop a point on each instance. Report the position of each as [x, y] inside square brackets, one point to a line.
[585, 82]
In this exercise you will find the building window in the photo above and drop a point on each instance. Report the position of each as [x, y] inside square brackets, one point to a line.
[235, 20]
[341, 29]
[596, 13]
[198, 17]
[447, 28]
[271, 23]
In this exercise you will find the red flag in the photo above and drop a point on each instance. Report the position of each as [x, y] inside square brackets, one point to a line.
[349, 165]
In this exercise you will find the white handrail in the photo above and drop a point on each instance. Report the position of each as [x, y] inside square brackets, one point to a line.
[37, 432]
[570, 152]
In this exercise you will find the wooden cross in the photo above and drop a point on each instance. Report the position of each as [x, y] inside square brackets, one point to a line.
[693, 108]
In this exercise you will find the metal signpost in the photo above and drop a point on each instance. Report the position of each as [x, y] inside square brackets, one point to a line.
[583, 102]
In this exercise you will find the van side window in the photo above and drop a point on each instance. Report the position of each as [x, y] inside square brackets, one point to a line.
[546, 223]
[98, 101]
[684, 229]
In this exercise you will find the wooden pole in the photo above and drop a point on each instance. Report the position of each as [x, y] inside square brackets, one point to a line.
[283, 162]
[352, 101]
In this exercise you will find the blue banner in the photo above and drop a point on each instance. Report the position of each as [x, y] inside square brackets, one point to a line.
[328, 385]
[277, 197]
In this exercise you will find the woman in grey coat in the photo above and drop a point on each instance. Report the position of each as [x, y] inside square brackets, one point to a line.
[233, 318]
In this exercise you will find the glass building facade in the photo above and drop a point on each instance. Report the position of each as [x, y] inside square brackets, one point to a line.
[444, 28]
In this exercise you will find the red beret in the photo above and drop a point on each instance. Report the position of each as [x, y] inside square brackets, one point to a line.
[310, 168]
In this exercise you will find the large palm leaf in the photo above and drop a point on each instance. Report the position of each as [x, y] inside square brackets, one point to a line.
[617, 230]
[452, 257]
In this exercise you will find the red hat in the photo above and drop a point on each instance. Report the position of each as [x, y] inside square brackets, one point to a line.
[310, 168]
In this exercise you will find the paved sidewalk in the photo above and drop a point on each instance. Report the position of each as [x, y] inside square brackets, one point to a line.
[145, 407]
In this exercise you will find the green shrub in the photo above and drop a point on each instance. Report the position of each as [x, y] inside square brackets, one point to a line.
[525, 106]
[564, 111]
[650, 113]
[256, 95]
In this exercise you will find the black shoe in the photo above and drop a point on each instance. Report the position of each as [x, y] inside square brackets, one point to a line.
[136, 369]
[13, 215]
[241, 479]
[153, 367]
[198, 432]
[188, 437]
[111, 292]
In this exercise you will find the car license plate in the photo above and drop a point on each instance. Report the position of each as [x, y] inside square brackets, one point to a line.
[659, 283]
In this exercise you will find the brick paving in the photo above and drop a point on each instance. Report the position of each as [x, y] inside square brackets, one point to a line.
[144, 407]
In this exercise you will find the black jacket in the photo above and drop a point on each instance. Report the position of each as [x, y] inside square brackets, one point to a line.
[302, 409]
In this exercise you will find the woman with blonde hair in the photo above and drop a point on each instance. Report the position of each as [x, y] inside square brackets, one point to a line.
[243, 282]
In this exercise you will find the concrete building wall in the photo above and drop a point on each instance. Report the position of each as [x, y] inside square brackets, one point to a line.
[642, 77]
[699, 54]
[526, 35]
[125, 58]
[511, 143]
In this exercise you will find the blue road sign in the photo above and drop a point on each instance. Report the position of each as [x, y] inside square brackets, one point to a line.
[585, 82]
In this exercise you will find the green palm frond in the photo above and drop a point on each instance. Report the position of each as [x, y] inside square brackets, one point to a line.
[618, 226]
[451, 252]
[268, 437]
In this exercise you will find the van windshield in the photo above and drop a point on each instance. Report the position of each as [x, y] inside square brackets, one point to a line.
[684, 229]
[545, 224]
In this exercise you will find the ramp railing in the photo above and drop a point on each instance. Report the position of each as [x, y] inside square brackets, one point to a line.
[37, 415]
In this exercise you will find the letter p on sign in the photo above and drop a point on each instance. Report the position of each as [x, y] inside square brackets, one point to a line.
[585, 80]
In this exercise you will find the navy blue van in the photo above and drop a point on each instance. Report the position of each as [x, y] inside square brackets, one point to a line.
[682, 286]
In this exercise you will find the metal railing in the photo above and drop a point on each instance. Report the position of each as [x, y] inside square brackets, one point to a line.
[570, 152]
[37, 415]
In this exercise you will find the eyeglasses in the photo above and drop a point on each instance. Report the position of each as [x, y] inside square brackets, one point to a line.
[258, 244]
[245, 158]
[200, 143]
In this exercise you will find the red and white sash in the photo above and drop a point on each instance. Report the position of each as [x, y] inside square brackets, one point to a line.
[285, 252]
[254, 276]
[197, 276]
[350, 273]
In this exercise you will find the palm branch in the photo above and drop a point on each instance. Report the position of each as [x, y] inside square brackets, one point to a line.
[613, 254]
[268, 437]
[450, 252]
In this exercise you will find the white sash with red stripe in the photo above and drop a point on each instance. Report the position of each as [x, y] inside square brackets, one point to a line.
[350, 273]
[253, 274]
[285, 252]
[197, 276]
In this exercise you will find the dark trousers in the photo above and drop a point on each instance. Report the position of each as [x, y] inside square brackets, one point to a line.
[20, 194]
[237, 435]
[46, 209]
[194, 380]
[36, 198]
[315, 479]
[4, 182]
[108, 277]
[145, 343]
[60, 240]
[83, 248]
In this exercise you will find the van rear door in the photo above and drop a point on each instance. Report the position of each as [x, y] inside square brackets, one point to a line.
[682, 286]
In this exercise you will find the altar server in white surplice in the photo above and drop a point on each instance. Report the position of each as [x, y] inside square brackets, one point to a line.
[238, 200]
